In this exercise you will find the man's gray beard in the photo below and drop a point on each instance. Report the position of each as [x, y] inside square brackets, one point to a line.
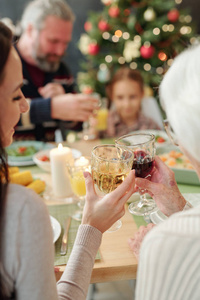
[45, 65]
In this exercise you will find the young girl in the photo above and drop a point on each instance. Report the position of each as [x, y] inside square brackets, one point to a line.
[126, 91]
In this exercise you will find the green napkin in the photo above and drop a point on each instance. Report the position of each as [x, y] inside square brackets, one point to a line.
[61, 212]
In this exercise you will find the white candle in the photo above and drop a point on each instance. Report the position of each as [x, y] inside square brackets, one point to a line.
[59, 157]
[81, 162]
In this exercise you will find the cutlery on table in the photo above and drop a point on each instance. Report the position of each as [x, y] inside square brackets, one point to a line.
[63, 249]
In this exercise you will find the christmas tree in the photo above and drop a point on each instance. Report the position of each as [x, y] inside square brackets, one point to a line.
[142, 34]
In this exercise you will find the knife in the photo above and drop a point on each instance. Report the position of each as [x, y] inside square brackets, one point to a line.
[63, 249]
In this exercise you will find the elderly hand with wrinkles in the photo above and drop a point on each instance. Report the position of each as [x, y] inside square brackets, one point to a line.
[135, 243]
[162, 187]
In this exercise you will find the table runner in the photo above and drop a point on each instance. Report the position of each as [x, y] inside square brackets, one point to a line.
[61, 212]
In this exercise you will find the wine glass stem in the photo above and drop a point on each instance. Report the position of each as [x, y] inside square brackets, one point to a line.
[143, 201]
[81, 203]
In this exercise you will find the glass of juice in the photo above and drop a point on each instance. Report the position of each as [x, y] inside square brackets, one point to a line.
[77, 181]
[102, 115]
[110, 165]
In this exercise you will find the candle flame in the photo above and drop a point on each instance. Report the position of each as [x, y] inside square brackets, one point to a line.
[60, 146]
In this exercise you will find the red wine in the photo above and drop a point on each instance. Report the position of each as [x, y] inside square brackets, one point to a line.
[143, 164]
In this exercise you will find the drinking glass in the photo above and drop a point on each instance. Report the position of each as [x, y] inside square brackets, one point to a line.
[143, 147]
[110, 165]
[94, 127]
[77, 181]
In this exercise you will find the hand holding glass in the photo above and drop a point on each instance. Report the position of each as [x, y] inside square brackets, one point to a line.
[143, 148]
[110, 165]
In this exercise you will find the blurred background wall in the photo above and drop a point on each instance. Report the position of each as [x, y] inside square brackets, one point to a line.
[13, 9]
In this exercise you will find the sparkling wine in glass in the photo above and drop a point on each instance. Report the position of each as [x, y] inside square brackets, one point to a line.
[143, 148]
[110, 165]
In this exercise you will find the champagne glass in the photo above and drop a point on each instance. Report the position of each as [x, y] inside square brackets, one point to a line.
[77, 181]
[143, 147]
[110, 165]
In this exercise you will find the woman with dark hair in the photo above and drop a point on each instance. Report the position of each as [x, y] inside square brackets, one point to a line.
[26, 248]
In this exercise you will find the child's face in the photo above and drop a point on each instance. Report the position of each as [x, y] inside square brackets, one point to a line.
[127, 96]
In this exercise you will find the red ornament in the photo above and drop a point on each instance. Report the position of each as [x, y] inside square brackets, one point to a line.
[173, 15]
[93, 49]
[147, 51]
[88, 26]
[114, 11]
[103, 25]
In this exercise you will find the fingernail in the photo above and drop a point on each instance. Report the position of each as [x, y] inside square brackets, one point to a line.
[85, 174]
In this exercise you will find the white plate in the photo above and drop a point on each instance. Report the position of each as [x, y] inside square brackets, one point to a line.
[158, 217]
[15, 161]
[45, 165]
[56, 228]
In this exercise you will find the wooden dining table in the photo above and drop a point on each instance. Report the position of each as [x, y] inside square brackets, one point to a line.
[117, 261]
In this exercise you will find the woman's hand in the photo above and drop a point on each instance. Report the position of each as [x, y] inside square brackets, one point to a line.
[135, 243]
[103, 212]
[163, 188]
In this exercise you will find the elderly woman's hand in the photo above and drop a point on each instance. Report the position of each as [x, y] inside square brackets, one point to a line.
[135, 243]
[103, 212]
[163, 188]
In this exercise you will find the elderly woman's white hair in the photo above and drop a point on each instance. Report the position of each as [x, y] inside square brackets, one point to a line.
[180, 98]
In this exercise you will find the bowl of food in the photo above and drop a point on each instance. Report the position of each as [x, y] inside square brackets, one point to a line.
[22, 151]
[42, 158]
[179, 163]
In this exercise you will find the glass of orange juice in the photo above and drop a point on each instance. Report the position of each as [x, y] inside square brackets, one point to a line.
[77, 181]
[102, 115]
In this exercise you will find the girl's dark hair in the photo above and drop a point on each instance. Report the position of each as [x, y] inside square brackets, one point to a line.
[123, 74]
[5, 47]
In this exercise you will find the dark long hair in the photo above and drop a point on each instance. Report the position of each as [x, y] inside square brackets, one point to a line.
[5, 47]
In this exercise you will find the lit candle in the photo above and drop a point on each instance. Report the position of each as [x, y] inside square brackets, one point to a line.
[59, 157]
[81, 162]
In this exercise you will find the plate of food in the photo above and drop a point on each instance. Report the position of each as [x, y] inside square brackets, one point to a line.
[42, 158]
[158, 217]
[56, 228]
[179, 163]
[21, 153]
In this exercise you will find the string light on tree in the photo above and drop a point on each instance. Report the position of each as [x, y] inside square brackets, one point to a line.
[159, 70]
[185, 30]
[162, 56]
[108, 58]
[169, 62]
[121, 60]
[126, 35]
[133, 65]
[115, 39]
[156, 31]
[118, 33]
[106, 35]
[147, 67]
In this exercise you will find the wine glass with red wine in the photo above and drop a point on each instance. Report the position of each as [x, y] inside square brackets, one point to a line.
[143, 147]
